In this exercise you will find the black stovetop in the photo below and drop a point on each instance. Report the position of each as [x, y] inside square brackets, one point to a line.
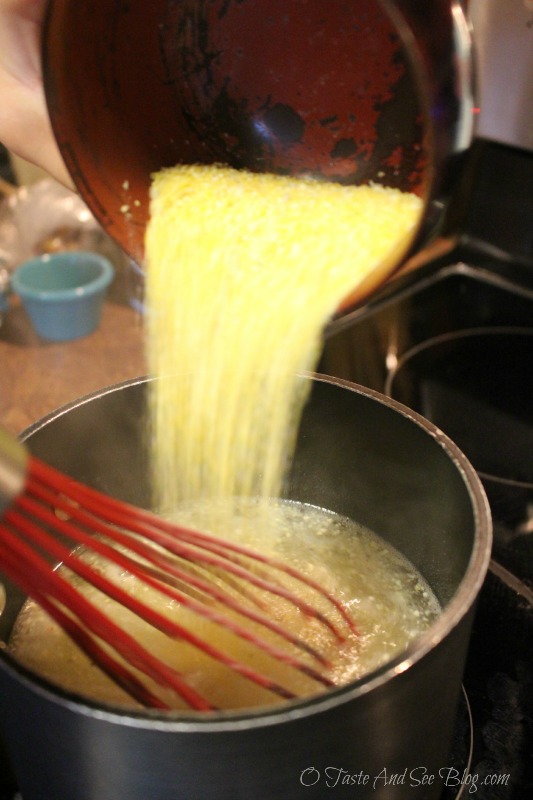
[457, 346]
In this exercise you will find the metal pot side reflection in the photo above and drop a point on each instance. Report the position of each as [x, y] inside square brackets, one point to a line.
[358, 453]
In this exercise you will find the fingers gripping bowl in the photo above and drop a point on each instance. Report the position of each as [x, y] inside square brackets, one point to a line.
[358, 454]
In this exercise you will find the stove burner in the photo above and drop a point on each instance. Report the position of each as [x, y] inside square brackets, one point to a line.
[476, 385]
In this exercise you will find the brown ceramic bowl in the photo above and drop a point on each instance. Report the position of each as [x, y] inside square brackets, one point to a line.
[350, 91]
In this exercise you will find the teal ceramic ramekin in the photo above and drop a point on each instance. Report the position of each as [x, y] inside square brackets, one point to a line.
[63, 293]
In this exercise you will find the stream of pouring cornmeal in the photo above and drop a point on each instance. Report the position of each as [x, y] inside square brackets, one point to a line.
[243, 273]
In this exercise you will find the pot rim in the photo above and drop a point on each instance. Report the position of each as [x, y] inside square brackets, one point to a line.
[226, 721]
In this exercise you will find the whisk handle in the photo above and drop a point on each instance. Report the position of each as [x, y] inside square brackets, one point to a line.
[13, 466]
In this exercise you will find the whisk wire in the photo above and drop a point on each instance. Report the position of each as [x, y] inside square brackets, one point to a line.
[146, 523]
[56, 520]
[160, 621]
[55, 594]
[160, 581]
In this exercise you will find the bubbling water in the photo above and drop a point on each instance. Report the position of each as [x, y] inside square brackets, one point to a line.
[386, 596]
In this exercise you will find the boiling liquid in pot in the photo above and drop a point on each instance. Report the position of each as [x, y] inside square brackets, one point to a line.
[388, 599]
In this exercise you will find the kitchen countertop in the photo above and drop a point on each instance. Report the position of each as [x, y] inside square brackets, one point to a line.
[38, 377]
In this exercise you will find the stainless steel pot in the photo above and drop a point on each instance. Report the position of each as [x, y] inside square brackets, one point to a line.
[359, 454]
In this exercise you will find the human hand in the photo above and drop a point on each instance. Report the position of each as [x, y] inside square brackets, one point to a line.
[25, 127]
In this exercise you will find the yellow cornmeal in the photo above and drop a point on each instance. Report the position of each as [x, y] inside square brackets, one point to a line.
[243, 272]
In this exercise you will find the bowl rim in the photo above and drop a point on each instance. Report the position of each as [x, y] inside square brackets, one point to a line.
[93, 286]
